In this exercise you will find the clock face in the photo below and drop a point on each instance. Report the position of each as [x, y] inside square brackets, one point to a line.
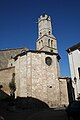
[48, 61]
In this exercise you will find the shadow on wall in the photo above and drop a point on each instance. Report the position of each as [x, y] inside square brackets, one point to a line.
[12, 87]
[71, 95]
[29, 103]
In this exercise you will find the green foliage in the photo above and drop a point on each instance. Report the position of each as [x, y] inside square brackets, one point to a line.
[12, 86]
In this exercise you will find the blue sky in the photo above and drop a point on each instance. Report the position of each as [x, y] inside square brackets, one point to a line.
[18, 26]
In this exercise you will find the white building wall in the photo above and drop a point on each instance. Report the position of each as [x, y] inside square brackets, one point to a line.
[74, 60]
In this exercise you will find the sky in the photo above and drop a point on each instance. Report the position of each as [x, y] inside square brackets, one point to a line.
[18, 26]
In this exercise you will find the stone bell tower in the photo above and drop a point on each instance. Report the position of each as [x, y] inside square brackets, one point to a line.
[46, 40]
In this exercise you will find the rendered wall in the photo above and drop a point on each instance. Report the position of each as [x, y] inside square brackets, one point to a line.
[74, 61]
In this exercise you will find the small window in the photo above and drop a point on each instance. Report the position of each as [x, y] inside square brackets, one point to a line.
[41, 43]
[52, 43]
[51, 50]
[40, 33]
[49, 32]
[50, 86]
[48, 61]
[79, 72]
[49, 42]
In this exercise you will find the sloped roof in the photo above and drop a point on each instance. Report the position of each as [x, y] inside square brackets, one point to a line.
[74, 47]
[37, 51]
[7, 54]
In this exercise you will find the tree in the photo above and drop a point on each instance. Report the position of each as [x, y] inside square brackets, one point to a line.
[12, 86]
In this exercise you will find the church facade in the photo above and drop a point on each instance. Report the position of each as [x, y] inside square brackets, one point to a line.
[37, 72]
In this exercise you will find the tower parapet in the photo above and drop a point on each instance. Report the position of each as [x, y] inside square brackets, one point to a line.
[44, 17]
[44, 25]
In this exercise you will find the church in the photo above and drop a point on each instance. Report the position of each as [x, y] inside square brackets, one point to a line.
[37, 72]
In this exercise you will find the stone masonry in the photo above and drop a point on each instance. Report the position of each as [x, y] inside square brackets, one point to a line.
[38, 79]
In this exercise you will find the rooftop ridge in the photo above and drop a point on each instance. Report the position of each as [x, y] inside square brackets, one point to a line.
[13, 49]
[74, 47]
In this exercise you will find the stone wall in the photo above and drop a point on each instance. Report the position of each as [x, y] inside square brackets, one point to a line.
[63, 91]
[5, 78]
[7, 55]
[36, 79]
[45, 84]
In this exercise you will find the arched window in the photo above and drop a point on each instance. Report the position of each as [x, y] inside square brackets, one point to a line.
[49, 32]
[41, 43]
[40, 33]
[49, 42]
